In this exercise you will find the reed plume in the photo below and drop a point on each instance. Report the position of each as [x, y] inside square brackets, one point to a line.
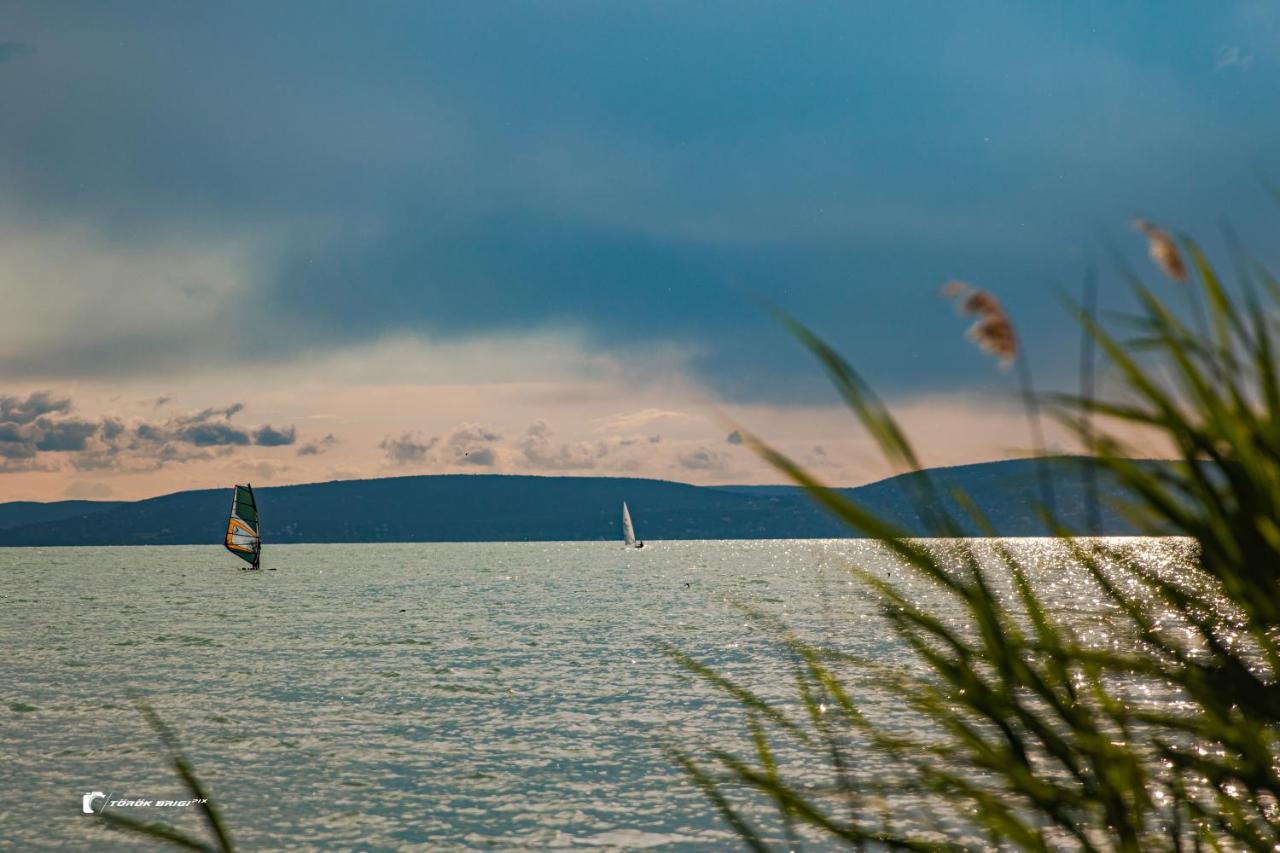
[992, 331]
[1155, 728]
[1166, 256]
[1163, 250]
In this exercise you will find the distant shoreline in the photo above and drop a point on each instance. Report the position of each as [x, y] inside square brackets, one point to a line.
[648, 542]
[462, 508]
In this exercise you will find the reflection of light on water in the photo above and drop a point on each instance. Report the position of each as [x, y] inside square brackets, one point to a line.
[529, 703]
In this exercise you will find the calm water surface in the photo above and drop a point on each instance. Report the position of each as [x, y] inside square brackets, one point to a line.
[397, 696]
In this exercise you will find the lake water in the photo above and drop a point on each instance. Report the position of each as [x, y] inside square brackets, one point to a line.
[396, 696]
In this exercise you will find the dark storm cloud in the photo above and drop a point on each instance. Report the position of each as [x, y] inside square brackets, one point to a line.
[456, 170]
[269, 436]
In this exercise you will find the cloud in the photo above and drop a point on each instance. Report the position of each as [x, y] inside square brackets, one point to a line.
[468, 444]
[628, 421]
[112, 428]
[539, 450]
[15, 444]
[409, 449]
[212, 428]
[1232, 57]
[481, 456]
[84, 490]
[701, 459]
[15, 465]
[18, 410]
[269, 436]
[263, 470]
[205, 428]
[65, 435]
[465, 435]
[84, 301]
[39, 429]
[599, 210]
[318, 446]
[40, 423]
[211, 434]
[108, 460]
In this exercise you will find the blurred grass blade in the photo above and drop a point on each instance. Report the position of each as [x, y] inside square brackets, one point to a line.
[1139, 711]
[182, 766]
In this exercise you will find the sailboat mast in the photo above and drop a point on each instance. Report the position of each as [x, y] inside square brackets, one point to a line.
[257, 556]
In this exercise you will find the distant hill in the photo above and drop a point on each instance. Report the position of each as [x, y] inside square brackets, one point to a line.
[1007, 493]
[491, 507]
[18, 513]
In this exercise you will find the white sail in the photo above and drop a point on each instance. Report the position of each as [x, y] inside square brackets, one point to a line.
[628, 531]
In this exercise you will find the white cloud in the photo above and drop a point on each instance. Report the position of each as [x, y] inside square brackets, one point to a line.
[541, 451]
[626, 421]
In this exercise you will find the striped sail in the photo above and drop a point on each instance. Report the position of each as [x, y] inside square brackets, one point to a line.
[242, 528]
[628, 531]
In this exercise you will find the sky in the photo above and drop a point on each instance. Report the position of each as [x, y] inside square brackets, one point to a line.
[293, 242]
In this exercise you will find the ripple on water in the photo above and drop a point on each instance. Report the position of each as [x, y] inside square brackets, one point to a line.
[389, 696]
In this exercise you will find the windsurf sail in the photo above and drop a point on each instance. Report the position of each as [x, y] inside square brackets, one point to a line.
[243, 539]
[628, 531]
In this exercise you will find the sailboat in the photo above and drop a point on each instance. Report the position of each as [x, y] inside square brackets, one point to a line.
[629, 530]
[243, 537]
